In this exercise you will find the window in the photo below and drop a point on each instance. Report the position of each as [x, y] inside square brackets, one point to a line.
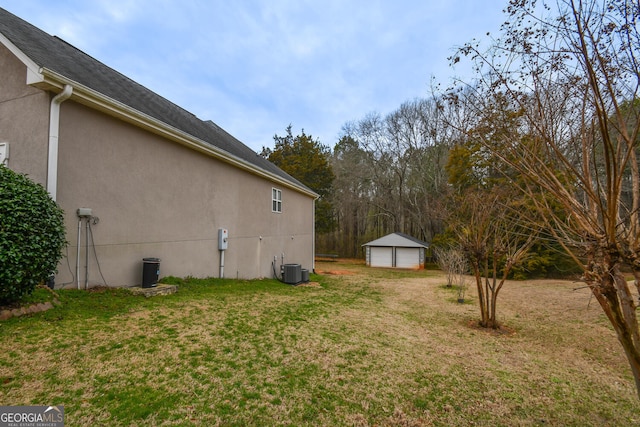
[276, 200]
[4, 153]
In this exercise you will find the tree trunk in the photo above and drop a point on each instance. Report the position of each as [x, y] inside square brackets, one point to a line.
[481, 295]
[614, 296]
[487, 322]
[493, 323]
[494, 295]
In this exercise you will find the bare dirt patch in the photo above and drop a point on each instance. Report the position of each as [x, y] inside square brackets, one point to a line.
[336, 272]
[501, 330]
[99, 289]
[310, 285]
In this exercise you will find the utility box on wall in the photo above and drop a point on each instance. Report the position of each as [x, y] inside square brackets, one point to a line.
[223, 239]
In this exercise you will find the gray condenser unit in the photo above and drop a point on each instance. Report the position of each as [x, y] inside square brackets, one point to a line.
[305, 275]
[291, 274]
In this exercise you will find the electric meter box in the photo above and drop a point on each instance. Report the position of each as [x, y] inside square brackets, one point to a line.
[223, 239]
[84, 212]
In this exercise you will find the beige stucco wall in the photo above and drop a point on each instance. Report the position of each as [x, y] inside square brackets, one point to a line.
[157, 198]
[24, 119]
[153, 197]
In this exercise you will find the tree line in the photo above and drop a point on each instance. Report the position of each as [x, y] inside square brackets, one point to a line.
[532, 163]
[387, 174]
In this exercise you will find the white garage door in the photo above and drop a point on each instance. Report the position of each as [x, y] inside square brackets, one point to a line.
[381, 257]
[408, 257]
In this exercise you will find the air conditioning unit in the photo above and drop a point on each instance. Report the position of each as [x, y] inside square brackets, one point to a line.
[305, 275]
[291, 274]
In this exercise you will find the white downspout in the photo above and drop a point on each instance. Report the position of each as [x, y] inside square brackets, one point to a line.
[313, 236]
[54, 130]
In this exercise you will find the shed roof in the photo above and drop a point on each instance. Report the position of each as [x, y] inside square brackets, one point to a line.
[50, 57]
[398, 240]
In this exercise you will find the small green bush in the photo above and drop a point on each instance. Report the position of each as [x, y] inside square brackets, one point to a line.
[32, 235]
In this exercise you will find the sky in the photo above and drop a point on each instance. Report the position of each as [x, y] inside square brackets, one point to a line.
[255, 67]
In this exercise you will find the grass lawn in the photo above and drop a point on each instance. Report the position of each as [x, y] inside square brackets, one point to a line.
[359, 347]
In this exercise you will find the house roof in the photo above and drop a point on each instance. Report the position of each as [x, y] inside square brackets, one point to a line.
[398, 240]
[52, 63]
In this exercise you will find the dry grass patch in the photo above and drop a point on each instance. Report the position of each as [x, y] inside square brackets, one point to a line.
[373, 347]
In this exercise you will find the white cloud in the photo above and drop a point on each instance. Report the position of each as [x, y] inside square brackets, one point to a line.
[254, 66]
[121, 10]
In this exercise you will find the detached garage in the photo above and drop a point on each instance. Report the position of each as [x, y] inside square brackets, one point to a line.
[396, 250]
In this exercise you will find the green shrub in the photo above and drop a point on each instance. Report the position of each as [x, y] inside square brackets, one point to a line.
[32, 235]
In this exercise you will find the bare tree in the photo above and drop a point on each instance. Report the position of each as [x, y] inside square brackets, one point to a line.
[351, 196]
[493, 240]
[404, 153]
[453, 262]
[570, 71]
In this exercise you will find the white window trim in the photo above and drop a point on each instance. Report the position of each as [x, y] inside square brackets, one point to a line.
[4, 153]
[276, 200]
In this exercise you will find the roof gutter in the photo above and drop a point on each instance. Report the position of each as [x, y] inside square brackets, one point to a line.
[115, 108]
[54, 131]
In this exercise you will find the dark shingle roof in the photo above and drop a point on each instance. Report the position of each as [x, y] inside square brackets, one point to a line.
[61, 57]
